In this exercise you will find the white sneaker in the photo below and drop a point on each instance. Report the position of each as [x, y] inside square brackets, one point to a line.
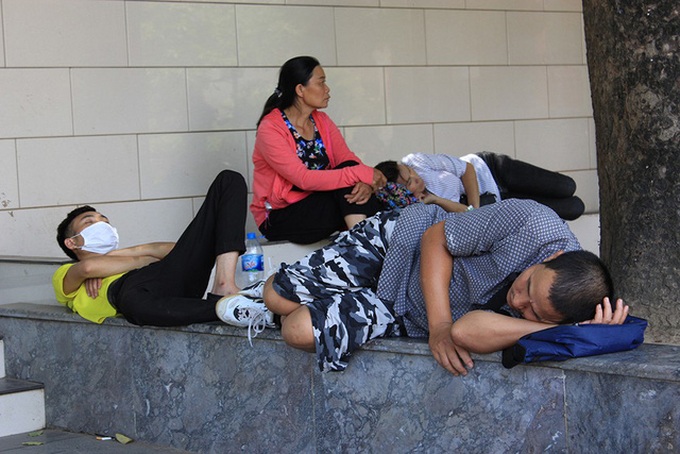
[255, 290]
[242, 311]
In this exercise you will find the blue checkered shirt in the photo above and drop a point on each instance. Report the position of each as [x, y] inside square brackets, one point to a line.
[489, 245]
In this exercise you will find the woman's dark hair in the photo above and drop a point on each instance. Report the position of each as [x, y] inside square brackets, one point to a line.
[390, 169]
[581, 283]
[297, 70]
[65, 231]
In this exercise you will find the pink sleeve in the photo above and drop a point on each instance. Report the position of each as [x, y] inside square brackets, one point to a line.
[278, 150]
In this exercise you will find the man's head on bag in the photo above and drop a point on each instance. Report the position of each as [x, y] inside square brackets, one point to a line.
[566, 288]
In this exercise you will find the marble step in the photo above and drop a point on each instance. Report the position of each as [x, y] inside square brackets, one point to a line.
[2, 358]
[22, 406]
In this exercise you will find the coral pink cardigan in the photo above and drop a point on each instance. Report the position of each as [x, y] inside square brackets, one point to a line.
[277, 168]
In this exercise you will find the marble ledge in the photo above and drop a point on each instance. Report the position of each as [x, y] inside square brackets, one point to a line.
[649, 361]
[33, 260]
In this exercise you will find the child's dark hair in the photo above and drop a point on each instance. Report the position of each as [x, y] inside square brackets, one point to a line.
[390, 169]
[64, 230]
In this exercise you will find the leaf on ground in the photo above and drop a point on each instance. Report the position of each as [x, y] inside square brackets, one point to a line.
[37, 433]
[33, 443]
[122, 439]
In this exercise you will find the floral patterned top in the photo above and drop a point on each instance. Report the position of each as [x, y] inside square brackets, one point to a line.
[311, 152]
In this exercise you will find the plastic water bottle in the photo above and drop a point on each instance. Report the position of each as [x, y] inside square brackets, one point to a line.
[252, 262]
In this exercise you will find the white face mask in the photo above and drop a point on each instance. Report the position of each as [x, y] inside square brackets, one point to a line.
[99, 238]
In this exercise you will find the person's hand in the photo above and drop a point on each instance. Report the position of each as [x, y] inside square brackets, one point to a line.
[448, 205]
[450, 356]
[92, 286]
[604, 314]
[428, 198]
[379, 180]
[360, 194]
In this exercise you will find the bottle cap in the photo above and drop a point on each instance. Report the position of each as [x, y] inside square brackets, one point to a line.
[251, 236]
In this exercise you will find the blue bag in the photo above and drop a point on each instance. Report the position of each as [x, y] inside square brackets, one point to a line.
[571, 341]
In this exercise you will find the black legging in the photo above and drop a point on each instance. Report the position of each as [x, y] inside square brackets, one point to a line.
[315, 217]
[169, 292]
[520, 180]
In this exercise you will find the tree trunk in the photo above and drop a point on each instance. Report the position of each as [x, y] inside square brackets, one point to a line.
[634, 63]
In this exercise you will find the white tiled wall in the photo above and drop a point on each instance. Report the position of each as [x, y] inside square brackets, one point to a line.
[134, 106]
[466, 37]
[35, 103]
[227, 98]
[70, 170]
[508, 92]
[181, 35]
[126, 100]
[544, 38]
[9, 188]
[380, 36]
[71, 33]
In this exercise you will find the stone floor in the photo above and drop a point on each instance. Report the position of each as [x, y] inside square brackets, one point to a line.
[57, 442]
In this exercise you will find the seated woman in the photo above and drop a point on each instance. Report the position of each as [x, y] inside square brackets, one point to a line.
[307, 183]
[460, 184]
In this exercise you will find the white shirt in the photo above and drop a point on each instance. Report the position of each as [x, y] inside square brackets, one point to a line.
[442, 174]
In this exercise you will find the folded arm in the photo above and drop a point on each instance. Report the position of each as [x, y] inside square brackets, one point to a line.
[486, 332]
[115, 262]
[277, 149]
[158, 250]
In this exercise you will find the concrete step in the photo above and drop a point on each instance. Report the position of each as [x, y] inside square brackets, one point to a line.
[2, 358]
[203, 388]
[22, 402]
[22, 406]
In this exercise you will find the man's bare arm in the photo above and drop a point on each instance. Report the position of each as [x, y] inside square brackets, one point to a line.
[435, 277]
[157, 249]
[445, 204]
[486, 332]
[471, 185]
[102, 266]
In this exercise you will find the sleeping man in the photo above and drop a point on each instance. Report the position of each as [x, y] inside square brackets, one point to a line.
[469, 282]
[159, 283]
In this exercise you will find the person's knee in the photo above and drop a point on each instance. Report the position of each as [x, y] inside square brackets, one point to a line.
[570, 186]
[573, 209]
[275, 302]
[297, 330]
[269, 295]
[233, 179]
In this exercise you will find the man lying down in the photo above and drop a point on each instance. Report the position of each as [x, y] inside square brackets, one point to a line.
[472, 282]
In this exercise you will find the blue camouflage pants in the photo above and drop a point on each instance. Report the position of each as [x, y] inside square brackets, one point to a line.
[337, 283]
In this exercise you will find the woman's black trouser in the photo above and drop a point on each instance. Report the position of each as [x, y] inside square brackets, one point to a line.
[315, 217]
